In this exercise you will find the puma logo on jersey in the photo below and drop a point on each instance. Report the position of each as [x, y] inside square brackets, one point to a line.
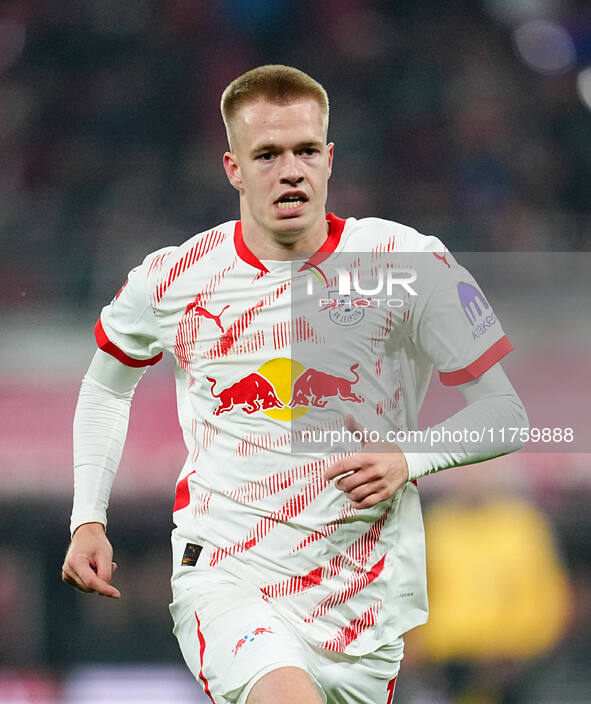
[200, 310]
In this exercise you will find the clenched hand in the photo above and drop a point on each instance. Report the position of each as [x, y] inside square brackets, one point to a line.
[373, 475]
[88, 563]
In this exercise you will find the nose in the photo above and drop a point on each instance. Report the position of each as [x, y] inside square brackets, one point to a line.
[291, 170]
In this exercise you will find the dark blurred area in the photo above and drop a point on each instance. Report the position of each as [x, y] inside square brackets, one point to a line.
[111, 139]
[470, 120]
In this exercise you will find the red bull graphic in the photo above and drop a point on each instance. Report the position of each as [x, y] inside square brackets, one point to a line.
[250, 636]
[262, 629]
[239, 645]
[313, 388]
[252, 393]
[285, 390]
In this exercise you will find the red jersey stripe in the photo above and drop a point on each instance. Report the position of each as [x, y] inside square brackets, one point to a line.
[107, 346]
[243, 252]
[204, 244]
[349, 633]
[356, 556]
[390, 689]
[345, 513]
[383, 247]
[290, 509]
[486, 360]
[349, 590]
[336, 226]
[201, 653]
[189, 325]
[182, 496]
[229, 338]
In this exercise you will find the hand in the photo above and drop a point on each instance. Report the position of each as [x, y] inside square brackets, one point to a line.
[375, 474]
[88, 563]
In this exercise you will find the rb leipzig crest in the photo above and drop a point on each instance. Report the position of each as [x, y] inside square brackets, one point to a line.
[346, 310]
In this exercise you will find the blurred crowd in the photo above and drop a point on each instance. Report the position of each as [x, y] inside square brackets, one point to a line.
[470, 120]
[111, 139]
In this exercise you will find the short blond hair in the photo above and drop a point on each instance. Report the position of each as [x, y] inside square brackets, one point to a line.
[275, 83]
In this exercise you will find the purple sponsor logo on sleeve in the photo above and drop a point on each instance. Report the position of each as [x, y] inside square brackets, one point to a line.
[475, 307]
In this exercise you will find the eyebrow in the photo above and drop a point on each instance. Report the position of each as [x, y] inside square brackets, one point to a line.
[274, 147]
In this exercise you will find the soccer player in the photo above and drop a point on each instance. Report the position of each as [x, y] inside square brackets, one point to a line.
[295, 574]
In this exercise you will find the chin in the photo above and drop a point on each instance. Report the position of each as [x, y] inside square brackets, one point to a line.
[291, 226]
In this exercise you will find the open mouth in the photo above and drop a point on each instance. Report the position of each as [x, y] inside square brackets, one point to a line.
[291, 201]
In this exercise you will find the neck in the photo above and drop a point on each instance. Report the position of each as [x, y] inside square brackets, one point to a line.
[282, 246]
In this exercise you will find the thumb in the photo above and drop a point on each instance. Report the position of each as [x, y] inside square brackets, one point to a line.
[104, 566]
[355, 427]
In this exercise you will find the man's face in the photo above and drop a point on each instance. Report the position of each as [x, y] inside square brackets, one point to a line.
[280, 164]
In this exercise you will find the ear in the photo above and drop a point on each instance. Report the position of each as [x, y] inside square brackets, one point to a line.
[232, 169]
[330, 157]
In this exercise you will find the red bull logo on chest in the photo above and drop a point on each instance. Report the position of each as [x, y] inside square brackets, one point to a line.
[252, 393]
[314, 388]
[285, 389]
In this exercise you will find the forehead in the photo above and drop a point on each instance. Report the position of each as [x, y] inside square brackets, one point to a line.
[269, 122]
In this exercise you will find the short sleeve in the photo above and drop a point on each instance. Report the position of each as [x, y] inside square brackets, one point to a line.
[455, 325]
[127, 328]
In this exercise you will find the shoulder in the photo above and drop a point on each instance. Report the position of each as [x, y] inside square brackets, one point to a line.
[379, 234]
[192, 249]
[166, 266]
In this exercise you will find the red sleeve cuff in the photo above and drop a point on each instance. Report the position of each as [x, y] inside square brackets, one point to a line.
[107, 346]
[486, 360]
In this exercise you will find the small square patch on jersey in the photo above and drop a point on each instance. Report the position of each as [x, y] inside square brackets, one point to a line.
[191, 555]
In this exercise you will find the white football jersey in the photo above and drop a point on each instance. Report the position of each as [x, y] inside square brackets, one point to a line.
[266, 351]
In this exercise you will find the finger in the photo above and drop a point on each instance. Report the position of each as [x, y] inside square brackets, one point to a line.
[335, 470]
[369, 501]
[94, 583]
[68, 579]
[347, 464]
[104, 566]
[89, 580]
[363, 491]
[361, 476]
[74, 581]
[355, 427]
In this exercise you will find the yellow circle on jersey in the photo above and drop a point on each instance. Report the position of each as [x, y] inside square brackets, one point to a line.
[282, 372]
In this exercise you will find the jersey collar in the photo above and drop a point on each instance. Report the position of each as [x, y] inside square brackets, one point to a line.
[336, 226]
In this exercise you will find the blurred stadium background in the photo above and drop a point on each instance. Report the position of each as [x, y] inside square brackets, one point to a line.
[469, 119]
